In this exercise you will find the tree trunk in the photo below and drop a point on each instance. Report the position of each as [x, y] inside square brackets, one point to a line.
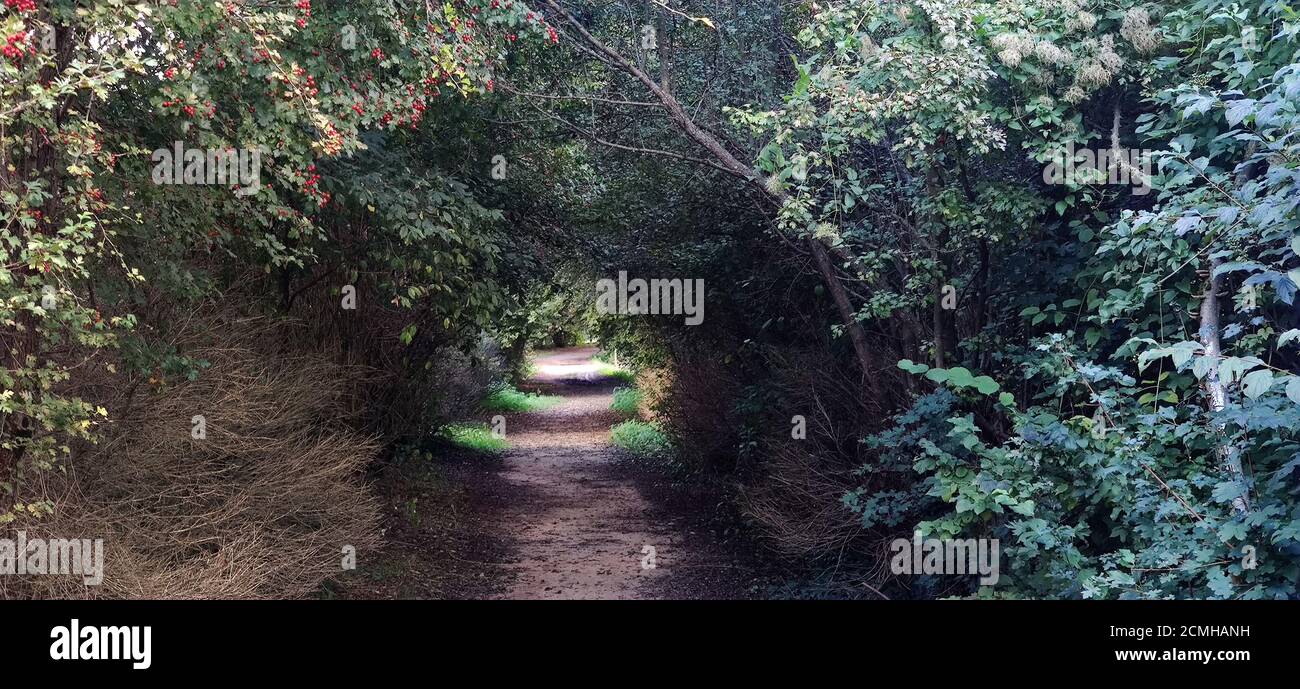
[1215, 391]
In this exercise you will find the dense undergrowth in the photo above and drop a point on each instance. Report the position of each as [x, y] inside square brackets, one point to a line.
[1097, 367]
[919, 315]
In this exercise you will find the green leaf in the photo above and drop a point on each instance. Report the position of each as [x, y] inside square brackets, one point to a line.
[1182, 352]
[1293, 389]
[961, 377]
[986, 385]
[1238, 110]
[1231, 368]
[1219, 582]
[801, 86]
[907, 365]
[1257, 383]
[1227, 491]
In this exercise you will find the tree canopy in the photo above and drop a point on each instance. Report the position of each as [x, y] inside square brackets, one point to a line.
[1027, 268]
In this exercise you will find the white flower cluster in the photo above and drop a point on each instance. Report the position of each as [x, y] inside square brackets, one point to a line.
[1136, 29]
[1081, 21]
[1012, 47]
[1096, 63]
[1093, 61]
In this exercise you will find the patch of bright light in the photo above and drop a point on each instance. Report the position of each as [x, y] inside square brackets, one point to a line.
[568, 370]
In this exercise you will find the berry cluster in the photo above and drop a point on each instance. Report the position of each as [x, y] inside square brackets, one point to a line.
[310, 185]
[14, 47]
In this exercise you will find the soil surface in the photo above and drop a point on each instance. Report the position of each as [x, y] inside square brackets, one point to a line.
[578, 519]
[562, 515]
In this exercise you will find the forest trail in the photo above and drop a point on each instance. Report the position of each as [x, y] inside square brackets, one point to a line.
[576, 520]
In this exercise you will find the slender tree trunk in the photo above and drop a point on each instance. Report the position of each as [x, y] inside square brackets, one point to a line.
[1215, 391]
[940, 346]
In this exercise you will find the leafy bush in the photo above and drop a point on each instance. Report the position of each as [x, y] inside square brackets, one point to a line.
[1132, 434]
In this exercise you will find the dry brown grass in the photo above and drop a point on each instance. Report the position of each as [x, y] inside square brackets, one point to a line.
[797, 499]
[260, 508]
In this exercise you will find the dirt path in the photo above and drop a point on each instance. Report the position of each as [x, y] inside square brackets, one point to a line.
[576, 521]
